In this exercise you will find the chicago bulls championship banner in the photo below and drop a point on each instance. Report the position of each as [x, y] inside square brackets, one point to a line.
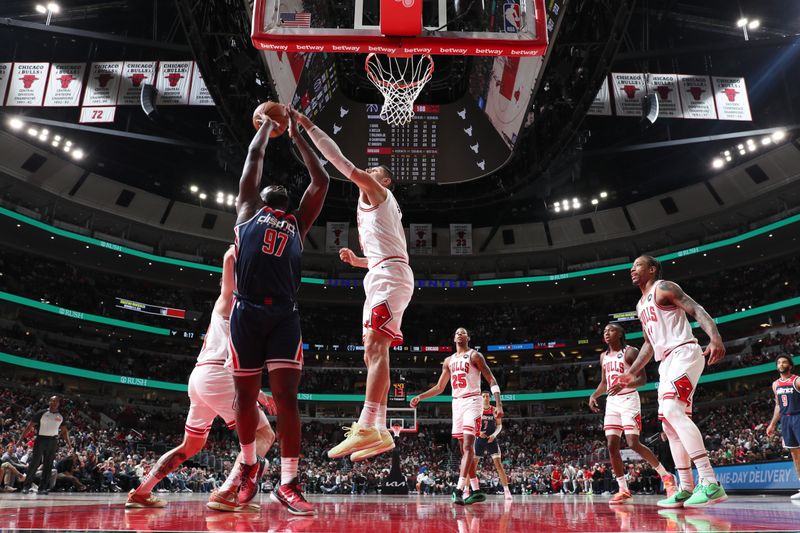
[5, 75]
[103, 84]
[173, 81]
[460, 239]
[336, 234]
[420, 239]
[135, 74]
[602, 101]
[199, 94]
[666, 87]
[731, 98]
[28, 82]
[697, 97]
[629, 91]
[64, 85]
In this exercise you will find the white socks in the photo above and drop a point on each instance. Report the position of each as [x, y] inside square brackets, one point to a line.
[369, 414]
[249, 453]
[623, 485]
[474, 483]
[288, 469]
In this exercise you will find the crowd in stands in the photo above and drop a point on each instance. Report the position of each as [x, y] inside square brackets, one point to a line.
[540, 456]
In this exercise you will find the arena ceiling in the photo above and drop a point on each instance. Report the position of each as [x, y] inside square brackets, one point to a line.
[562, 153]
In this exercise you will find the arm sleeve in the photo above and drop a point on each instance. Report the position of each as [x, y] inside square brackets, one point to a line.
[497, 430]
[331, 151]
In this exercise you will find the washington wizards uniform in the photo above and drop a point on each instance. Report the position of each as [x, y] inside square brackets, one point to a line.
[788, 398]
[488, 426]
[265, 321]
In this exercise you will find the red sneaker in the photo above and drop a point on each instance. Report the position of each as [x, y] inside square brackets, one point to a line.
[669, 485]
[142, 501]
[223, 500]
[289, 496]
[251, 476]
[620, 497]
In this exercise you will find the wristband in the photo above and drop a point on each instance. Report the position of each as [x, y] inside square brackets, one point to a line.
[495, 389]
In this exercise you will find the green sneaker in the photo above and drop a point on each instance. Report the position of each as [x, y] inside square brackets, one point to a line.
[706, 495]
[477, 496]
[676, 500]
[458, 499]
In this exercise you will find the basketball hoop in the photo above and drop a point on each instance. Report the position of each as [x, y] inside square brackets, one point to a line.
[400, 79]
[397, 429]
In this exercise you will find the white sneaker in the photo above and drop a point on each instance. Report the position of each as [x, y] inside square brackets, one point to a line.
[795, 496]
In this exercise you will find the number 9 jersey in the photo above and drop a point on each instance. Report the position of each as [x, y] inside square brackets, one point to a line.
[269, 250]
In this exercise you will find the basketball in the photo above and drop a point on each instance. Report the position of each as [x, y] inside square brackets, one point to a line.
[276, 112]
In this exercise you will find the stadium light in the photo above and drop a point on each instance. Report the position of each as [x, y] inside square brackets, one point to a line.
[220, 199]
[766, 140]
[33, 132]
[193, 188]
[77, 154]
[753, 24]
[717, 163]
[751, 147]
[746, 23]
[55, 8]
[595, 201]
[566, 207]
[202, 196]
[742, 22]
[41, 9]
[778, 135]
[558, 209]
[15, 123]
[603, 194]
[576, 205]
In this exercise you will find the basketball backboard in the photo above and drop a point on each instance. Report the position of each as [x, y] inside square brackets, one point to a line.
[405, 417]
[514, 28]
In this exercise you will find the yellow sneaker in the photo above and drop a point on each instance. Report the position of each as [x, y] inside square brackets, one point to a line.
[356, 438]
[386, 444]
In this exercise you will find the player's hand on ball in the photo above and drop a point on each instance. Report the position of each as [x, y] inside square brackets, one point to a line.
[414, 401]
[593, 405]
[715, 351]
[268, 403]
[266, 122]
[347, 255]
[293, 133]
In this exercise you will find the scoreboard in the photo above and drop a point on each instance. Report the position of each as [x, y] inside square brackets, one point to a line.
[397, 394]
[410, 151]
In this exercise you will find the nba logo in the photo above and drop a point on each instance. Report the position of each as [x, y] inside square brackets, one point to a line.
[512, 18]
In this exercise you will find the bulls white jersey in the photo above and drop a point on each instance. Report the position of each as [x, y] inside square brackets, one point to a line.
[465, 378]
[380, 231]
[666, 327]
[614, 366]
[215, 345]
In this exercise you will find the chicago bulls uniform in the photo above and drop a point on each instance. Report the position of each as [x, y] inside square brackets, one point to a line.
[465, 380]
[265, 321]
[681, 358]
[488, 425]
[211, 389]
[788, 398]
[389, 284]
[624, 409]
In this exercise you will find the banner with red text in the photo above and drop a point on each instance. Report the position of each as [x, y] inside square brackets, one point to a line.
[731, 98]
[420, 239]
[602, 101]
[135, 74]
[5, 76]
[199, 94]
[460, 239]
[28, 82]
[697, 97]
[336, 234]
[103, 84]
[64, 85]
[629, 91]
[173, 81]
[666, 87]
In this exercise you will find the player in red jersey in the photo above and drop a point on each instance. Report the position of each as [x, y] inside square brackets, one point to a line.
[624, 411]
[388, 286]
[668, 336]
[463, 370]
[787, 410]
[211, 392]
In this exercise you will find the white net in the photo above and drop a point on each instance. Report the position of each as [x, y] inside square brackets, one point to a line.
[400, 80]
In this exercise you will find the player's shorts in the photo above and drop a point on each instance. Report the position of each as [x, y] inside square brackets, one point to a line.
[467, 416]
[679, 374]
[790, 431]
[623, 414]
[265, 334]
[388, 288]
[484, 447]
[212, 392]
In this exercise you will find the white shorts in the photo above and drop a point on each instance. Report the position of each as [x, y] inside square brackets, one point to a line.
[467, 416]
[679, 374]
[388, 287]
[623, 414]
[212, 394]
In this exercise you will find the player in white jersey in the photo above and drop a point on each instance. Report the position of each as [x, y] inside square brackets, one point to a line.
[668, 336]
[463, 370]
[624, 411]
[388, 286]
[211, 392]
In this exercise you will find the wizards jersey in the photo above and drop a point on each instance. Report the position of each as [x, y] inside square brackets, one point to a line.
[787, 396]
[488, 421]
[268, 253]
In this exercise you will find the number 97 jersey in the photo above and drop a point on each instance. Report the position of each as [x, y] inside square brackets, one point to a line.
[268, 256]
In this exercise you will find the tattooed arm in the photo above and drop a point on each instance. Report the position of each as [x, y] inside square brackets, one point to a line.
[669, 293]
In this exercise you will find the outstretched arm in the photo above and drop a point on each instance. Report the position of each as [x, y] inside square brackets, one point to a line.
[437, 389]
[374, 191]
[477, 359]
[348, 256]
[223, 304]
[314, 197]
[251, 173]
[670, 293]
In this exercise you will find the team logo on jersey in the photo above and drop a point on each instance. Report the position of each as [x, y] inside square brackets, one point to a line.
[683, 388]
[465, 355]
[619, 355]
[649, 297]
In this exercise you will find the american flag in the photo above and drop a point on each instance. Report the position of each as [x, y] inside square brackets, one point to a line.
[296, 20]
